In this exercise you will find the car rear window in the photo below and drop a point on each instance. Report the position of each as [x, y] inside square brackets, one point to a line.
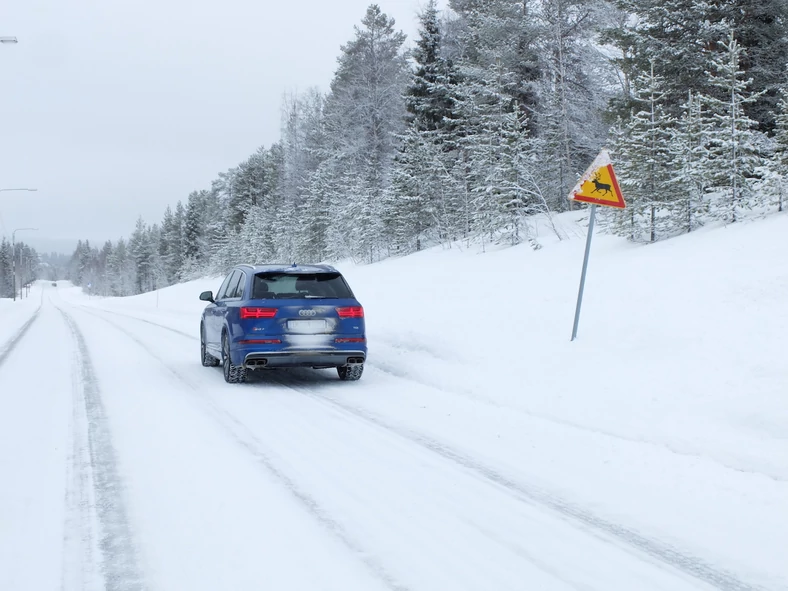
[299, 285]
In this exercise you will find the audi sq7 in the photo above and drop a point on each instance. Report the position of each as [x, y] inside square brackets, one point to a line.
[277, 316]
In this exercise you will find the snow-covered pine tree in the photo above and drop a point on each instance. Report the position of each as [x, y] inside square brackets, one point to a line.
[194, 235]
[574, 91]
[122, 270]
[314, 214]
[427, 151]
[113, 272]
[303, 205]
[429, 96]
[501, 35]
[102, 278]
[486, 142]
[412, 197]
[645, 164]
[159, 277]
[689, 150]
[6, 277]
[304, 178]
[681, 36]
[779, 163]
[364, 113]
[141, 251]
[174, 237]
[293, 173]
[732, 143]
[520, 195]
[761, 29]
[169, 249]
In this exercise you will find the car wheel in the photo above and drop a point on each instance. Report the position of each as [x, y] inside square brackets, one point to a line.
[350, 373]
[233, 374]
[206, 358]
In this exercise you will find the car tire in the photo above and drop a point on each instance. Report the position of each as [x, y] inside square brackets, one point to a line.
[206, 358]
[233, 374]
[350, 373]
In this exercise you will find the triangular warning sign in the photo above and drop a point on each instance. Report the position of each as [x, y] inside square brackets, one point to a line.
[599, 185]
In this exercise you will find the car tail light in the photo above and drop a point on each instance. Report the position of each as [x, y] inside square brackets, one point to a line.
[351, 312]
[350, 340]
[257, 313]
[261, 342]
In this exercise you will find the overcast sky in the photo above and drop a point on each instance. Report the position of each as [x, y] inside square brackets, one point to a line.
[117, 108]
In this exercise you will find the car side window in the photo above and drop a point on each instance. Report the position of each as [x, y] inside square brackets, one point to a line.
[223, 287]
[239, 291]
[237, 288]
[229, 286]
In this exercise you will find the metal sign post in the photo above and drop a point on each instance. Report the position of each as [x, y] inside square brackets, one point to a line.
[583, 274]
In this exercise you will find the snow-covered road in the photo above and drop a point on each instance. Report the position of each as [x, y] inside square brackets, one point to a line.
[175, 480]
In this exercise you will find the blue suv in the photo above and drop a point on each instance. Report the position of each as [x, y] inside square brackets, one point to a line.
[273, 316]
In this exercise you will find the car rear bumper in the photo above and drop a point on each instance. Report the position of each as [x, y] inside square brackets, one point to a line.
[302, 358]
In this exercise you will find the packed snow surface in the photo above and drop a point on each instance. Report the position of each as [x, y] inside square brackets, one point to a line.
[481, 450]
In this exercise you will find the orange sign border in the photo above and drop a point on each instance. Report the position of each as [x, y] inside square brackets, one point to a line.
[620, 204]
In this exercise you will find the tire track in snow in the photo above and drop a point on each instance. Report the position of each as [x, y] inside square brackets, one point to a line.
[91, 310]
[655, 549]
[80, 552]
[252, 445]
[119, 569]
[10, 344]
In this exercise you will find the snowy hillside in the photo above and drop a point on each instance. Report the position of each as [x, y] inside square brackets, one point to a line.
[481, 450]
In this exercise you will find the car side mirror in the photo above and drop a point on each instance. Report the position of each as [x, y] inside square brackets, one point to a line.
[207, 296]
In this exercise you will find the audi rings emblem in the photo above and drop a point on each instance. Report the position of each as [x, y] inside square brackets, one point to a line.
[307, 313]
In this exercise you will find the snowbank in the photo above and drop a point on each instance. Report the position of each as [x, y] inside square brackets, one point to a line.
[14, 314]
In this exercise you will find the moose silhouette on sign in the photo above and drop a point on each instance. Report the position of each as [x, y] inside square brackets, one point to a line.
[598, 186]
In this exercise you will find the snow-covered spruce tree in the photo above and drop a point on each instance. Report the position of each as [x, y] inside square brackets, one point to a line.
[498, 142]
[304, 146]
[364, 113]
[113, 271]
[413, 198]
[293, 173]
[761, 29]
[520, 194]
[427, 150]
[141, 250]
[429, 95]
[732, 144]
[171, 244]
[681, 36]
[689, 150]
[779, 162]
[502, 35]
[645, 164]
[194, 235]
[175, 246]
[6, 277]
[314, 214]
[102, 279]
[123, 270]
[574, 90]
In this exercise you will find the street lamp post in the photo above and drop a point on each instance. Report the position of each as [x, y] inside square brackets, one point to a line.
[13, 255]
[8, 40]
